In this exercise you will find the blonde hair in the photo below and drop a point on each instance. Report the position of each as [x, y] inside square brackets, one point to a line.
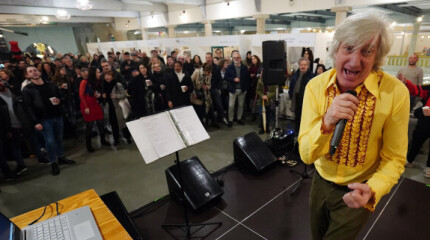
[360, 28]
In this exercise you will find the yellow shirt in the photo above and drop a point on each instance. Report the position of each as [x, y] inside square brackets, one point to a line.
[383, 149]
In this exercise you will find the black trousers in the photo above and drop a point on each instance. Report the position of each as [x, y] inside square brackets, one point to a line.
[420, 135]
[88, 131]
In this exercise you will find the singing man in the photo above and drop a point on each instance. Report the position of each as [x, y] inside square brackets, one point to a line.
[371, 155]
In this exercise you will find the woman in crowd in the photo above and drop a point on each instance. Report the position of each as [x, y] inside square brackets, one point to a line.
[83, 61]
[196, 62]
[201, 97]
[254, 70]
[95, 62]
[13, 84]
[156, 60]
[267, 94]
[65, 84]
[113, 92]
[90, 108]
[307, 53]
[249, 58]
[223, 64]
[48, 71]
[141, 94]
[320, 69]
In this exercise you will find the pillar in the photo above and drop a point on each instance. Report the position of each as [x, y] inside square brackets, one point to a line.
[261, 23]
[208, 28]
[171, 31]
[341, 13]
[414, 37]
[144, 34]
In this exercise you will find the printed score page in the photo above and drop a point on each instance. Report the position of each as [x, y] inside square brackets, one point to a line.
[189, 124]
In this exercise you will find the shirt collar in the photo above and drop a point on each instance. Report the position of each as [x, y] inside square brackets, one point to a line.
[371, 83]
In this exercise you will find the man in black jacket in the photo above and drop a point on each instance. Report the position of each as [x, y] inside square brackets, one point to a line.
[215, 89]
[127, 66]
[178, 87]
[44, 107]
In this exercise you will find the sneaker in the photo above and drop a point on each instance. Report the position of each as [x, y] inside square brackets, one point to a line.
[409, 165]
[43, 161]
[64, 160]
[427, 172]
[240, 122]
[20, 169]
[55, 169]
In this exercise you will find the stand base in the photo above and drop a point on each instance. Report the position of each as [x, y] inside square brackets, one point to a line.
[186, 228]
[301, 176]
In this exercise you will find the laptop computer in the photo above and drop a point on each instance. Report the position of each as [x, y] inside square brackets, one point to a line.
[78, 224]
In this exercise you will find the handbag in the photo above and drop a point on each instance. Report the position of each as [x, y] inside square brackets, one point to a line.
[125, 107]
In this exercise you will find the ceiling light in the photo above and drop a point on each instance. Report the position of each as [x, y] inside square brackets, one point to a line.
[84, 4]
[420, 19]
[242, 31]
[309, 29]
[137, 32]
[45, 19]
[186, 32]
[126, 25]
[1, 35]
[393, 24]
[62, 14]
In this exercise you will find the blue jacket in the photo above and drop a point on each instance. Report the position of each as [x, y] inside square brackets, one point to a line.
[230, 75]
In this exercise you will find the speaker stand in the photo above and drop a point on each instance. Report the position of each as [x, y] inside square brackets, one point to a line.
[186, 226]
[301, 176]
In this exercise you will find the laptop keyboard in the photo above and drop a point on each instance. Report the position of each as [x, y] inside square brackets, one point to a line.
[54, 229]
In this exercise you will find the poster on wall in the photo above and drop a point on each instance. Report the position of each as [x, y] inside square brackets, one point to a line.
[217, 51]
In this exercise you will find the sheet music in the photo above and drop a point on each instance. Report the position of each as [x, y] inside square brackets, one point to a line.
[189, 124]
[163, 134]
[143, 143]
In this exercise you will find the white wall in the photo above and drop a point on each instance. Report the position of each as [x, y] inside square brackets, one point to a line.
[243, 8]
[61, 39]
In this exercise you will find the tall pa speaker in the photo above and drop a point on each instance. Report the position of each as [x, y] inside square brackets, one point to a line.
[274, 62]
[200, 187]
[251, 153]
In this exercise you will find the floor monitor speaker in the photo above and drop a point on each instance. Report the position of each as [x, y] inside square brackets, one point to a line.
[250, 152]
[274, 62]
[200, 187]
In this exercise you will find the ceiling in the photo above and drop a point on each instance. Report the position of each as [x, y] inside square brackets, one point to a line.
[29, 13]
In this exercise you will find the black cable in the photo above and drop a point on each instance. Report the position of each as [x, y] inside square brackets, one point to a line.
[35, 221]
[56, 205]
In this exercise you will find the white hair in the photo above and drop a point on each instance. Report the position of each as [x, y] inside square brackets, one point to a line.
[360, 28]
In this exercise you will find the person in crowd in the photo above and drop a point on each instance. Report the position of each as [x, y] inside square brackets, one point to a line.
[13, 84]
[70, 68]
[248, 59]
[113, 92]
[219, 54]
[296, 89]
[118, 76]
[320, 69]
[144, 58]
[158, 86]
[141, 94]
[170, 65]
[254, 70]
[216, 60]
[216, 90]
[20, 70]
[83, 61]
[201, 97]
[307, 53]
[115, 65]
[127, 66]
[134, 57]
[38, 66]
[371, 155]
[48, 71]
[179, 87]
[64, 83]
[187, 67]
[90, 108]
[174, 55]
[42, 101]
[223, 64]
[154, 53]
[422, 130]
[4, 132]
[237, 75]
[95, 62]
[196, 62]
[267, 94]
[413, 73]
[156, 60]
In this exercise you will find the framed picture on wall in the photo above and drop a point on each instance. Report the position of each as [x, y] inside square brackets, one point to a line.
[218, 51]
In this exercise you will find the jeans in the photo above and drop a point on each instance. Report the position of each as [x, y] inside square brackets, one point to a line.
[232, 102]
[15, 141]
[217, 103]
[53, 133]
[31, 136]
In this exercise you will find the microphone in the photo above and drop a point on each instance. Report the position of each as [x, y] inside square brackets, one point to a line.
[338, 131]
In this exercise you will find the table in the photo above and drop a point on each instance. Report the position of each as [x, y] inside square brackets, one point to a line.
[108, 225]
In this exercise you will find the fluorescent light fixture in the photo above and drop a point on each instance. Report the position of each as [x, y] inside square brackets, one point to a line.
[420, 19]
[84, 5]
[45, 19]
[242, 31]
[62, 14]
[186, 32]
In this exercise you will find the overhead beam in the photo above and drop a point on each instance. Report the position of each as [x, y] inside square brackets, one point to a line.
[298, 18]
[403, 10]
[322, 12]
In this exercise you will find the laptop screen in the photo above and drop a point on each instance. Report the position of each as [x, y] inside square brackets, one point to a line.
[8, 230]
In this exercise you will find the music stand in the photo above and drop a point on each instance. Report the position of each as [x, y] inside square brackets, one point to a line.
[186, 226]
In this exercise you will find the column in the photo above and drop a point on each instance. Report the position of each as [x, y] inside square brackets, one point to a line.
[414, 37]
[341, 13]
[261, 22]
[171, 31]
[120, 35]
[208, 28]
[144, 34]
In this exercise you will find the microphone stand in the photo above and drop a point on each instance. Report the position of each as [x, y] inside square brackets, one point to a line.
[301, 176]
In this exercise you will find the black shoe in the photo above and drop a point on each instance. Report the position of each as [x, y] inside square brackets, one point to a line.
[43, 160]
[215, 125]
[55, 169]
[64, 160]
[11, 176]
[90, 149]
[240, 122]
[129, 141]
[116, 143]
[261, 131]
[20, 169]
[230, 124]
[104, 143]
[94, 134]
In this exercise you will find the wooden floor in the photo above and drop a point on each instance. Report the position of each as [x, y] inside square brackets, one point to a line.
[261, 207]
